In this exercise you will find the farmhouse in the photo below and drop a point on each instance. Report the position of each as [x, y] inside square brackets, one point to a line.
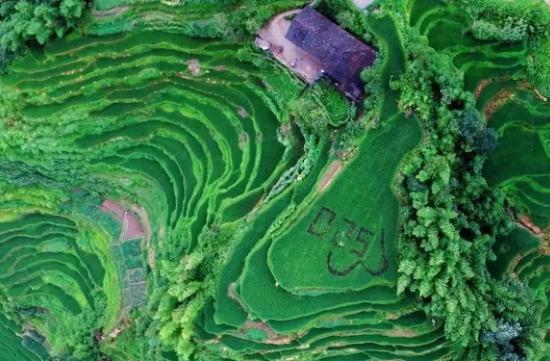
[313, 46]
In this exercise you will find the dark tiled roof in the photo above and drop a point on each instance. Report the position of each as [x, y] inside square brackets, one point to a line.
[341, 54]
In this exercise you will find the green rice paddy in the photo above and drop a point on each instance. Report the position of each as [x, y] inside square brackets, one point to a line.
[119, 111]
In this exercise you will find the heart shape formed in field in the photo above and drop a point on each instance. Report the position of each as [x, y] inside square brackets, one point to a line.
[349, 251]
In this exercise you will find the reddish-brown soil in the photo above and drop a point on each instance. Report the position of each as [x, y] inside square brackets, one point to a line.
[146, 224]
[479, 88]
[113, 207]
[526, 222]
[131, 227]
[498, 101]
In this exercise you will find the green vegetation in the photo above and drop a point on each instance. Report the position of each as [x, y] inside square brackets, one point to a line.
[170, 192]
[466, 234]
[26, 21]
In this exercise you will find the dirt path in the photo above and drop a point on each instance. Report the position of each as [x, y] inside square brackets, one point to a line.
[523, 221]
[401, 332]
[116, 11]
[330, 174]
[146, 224]
[524, 85]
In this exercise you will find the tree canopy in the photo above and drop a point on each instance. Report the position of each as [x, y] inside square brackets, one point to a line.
[22, 21]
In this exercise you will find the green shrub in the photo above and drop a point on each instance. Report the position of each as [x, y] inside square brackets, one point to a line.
[509, 30]
[538, 65]
[320, 108]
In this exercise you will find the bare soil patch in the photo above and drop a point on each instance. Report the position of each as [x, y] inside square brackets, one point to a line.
[146, 226]
[479, 88]
[539, 94]
[272, 38]
[131, 227]
[194, 67]
[524, 85]
[545, 246]
[272, 337]
[242, 112]
[114, 208]
[401, 332]
[232, 293]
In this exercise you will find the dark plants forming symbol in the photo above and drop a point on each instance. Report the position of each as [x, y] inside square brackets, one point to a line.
[322, 222]
[349, 244]
[338, 270]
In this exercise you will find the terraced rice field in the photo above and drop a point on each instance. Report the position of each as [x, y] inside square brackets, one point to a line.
[196, 150]
[11, 347]
[191, 133]
[52, 273]
[188, 137]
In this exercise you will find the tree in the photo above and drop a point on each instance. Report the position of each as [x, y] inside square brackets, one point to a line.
[476, 135]
[503, 337]
[35, 20]
[450, 216]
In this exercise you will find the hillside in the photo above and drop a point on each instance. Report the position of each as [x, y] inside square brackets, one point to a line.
[169, 191]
